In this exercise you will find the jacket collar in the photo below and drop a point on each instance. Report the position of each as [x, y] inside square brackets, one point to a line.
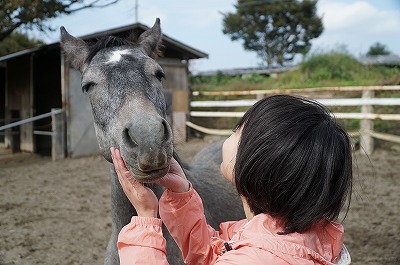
[322, 243]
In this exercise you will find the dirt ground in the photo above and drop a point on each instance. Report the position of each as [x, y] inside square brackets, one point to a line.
[59, 212]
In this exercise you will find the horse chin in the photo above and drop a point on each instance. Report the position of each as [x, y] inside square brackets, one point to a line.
[149, 176]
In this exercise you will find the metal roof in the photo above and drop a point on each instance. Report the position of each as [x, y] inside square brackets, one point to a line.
[177, 48]
[248, 71]
[21, 53]
[389, 60]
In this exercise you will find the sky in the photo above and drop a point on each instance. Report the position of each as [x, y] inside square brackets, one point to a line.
[353, 24]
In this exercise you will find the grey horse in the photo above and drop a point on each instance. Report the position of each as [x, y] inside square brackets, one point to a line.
[124, 84]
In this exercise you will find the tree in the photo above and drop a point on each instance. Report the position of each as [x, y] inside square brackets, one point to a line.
[378, 49]
[34, 13]
[17, 41]
[276, 29]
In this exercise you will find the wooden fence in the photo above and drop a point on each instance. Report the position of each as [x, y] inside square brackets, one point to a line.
[58, 139]
[366, 100]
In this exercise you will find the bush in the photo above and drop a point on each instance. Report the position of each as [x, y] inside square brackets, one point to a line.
[332, 66]
[215, 80]
[254, 78]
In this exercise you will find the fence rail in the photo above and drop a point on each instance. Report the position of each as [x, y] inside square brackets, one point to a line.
[366, 101]
[35, 118]
[58, 132]
[296, 91]
[326, 102]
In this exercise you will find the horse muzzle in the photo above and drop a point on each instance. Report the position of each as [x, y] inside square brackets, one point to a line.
[147, 149]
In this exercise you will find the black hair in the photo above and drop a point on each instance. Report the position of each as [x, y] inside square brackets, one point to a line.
[294, 162]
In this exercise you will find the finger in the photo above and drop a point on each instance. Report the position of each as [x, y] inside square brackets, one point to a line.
[123, 172]
[122, 167]
[119, 159]
[112, 150]
[175, 168]
[116, 157]
[120, 164]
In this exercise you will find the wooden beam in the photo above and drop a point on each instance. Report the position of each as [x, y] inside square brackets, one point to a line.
[326, 102]
[296, 91]
[370, 116]
[366, 140]
[202, 129]
[58, 139]
[386, 137]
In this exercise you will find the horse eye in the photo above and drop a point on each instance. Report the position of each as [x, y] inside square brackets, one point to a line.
[160, 75]
[87, 86]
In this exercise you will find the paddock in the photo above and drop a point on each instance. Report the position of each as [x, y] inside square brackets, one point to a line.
[37, 80]
[58, 212]
[366, 98]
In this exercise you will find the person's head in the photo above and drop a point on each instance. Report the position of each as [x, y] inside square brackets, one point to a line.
[293, 161]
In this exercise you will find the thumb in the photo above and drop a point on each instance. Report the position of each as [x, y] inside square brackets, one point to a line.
[176, 169]
[175, 180]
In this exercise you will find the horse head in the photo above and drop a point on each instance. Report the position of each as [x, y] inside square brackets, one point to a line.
[124, 84]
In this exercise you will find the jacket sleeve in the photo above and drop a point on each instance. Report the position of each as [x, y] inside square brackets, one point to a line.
[183, 215]
[142, 242]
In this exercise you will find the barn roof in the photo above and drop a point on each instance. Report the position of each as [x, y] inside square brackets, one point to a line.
[173, 48]
[28, 51]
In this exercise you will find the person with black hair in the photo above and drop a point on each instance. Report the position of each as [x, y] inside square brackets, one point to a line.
[290, 162]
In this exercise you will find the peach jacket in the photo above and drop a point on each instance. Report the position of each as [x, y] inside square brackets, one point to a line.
[240, 242]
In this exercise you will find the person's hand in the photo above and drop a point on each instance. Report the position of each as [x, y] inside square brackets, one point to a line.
[175, 180]
[142, 198]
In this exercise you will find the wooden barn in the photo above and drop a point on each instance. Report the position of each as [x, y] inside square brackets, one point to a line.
[36, 81]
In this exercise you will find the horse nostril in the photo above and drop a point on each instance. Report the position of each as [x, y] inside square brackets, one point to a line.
[167, 131]
[129, 139]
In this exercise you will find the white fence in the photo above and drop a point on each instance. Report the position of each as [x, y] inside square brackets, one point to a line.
[366, 100]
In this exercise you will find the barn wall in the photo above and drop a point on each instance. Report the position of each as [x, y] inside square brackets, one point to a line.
[176, 74]
[2, 100]
[176, 85]
[19, 98]
[81, 135]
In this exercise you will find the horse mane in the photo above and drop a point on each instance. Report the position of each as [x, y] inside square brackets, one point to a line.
[106, 42]
[113, 41]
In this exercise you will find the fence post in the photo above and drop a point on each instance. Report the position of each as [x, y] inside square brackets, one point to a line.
[15, 133]
[259, 97]
[58, 138]
[366, 125]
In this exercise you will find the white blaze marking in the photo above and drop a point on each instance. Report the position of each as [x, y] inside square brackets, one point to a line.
[116, 56]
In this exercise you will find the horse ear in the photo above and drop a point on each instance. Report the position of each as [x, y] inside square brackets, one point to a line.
[76, 50]
[150, 40]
